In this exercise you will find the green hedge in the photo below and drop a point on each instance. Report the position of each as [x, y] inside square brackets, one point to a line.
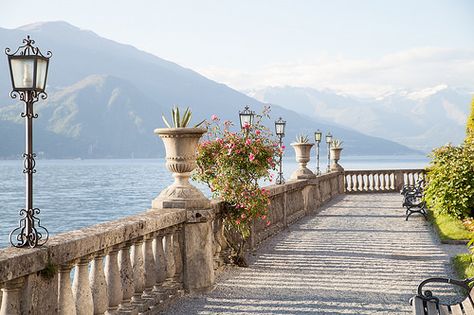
[450, 181]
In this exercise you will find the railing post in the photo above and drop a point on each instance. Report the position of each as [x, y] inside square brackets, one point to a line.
[11, 297]
[112, 276]
[98, 284]
[138, 273]
[126, 275]
[149, 267]
[66, 305]
[81, 289]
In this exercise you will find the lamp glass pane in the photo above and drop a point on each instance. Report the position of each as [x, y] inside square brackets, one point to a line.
[317, 136]
[329, 138]
[22, 71]
[245, 118]
[42, 67]
[279, 128]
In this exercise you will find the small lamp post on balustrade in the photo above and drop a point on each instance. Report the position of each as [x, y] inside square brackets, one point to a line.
[329, 141]
[317, 138]
[28, 71]
[280, 132]
[246, 118]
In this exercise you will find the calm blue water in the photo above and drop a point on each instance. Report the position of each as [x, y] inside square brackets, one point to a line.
[76, 193]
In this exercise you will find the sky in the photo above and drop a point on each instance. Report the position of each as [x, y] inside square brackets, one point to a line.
[363, 47]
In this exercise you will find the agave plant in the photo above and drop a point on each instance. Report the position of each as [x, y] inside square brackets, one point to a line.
[302, 139]
[336, 144]
[180, 121]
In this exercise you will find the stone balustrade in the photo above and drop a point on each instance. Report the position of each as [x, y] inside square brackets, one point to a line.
[380, 180]
[135, 264]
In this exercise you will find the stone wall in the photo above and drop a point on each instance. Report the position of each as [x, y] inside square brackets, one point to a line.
[138, 263]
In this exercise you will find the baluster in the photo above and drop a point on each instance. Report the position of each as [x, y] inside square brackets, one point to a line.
[11, 297]
[361, 183]
[126, 274]
[382, 181]
[112, 276]
[392, 181]
[347, 183]
[81, 290]
[178, 254]
[149, 267]
[376, 182]
[66, 305]
[387, 181]
[160, 261]
[365, 178]
[169, 255]
[98, 284]
[354, 181]
[138, 274]
[371, 181]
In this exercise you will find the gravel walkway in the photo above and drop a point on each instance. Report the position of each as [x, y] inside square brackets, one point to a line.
[358, 255]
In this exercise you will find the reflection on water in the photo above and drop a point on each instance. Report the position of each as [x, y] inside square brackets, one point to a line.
[76, 193]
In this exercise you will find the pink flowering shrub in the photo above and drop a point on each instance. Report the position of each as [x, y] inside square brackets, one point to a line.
[232, 163]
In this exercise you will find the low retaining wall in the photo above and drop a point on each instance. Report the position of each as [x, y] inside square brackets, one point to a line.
[135, 264]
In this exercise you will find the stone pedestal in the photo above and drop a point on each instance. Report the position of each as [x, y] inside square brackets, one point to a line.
[198, 252]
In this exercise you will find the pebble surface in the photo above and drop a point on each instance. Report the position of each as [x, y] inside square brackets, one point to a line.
[357, 255]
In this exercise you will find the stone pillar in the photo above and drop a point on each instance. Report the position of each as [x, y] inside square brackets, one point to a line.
[178, 254]
[138, 272]
[66, 305]
[198, 253]
[11, 297]
[126, 275]
[114, 283]
[149, 266]
[160, 261]
[81, 289]
[98, 284]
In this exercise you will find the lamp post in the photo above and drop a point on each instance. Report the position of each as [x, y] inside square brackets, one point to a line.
[246, 118]
[329, 141]
[317, 138]
[28, 70]
[280, 132]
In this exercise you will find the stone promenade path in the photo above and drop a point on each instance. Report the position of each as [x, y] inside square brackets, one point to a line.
[358, 255]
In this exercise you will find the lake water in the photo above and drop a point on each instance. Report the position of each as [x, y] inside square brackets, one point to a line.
[76, 193]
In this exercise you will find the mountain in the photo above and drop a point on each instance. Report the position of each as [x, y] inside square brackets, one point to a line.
[105, 99]
[422, 119]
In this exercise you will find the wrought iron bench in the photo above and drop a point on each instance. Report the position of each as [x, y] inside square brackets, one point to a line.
[425, 303]
[413, 199]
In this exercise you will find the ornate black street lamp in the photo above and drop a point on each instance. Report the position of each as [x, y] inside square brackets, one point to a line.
[280, 132]
[246, 117]
[329, 141]
[28, 70]
[317, 138]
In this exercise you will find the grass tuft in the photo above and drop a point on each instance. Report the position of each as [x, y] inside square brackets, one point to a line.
[463, 266]
[450, 228]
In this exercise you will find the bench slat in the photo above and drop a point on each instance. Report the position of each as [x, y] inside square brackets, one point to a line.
[418, 308]
[443, 310]
[431, 307]
[468, 307]
[456, 309]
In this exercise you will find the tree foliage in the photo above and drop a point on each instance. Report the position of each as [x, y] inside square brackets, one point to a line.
[470, 126]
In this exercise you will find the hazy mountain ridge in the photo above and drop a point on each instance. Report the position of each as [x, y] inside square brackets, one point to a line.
[105, 99]
[421, 119]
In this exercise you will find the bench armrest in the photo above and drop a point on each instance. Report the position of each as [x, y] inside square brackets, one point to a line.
[428, 295]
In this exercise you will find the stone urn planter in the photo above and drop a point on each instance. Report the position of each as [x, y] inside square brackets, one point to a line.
[303, 154]
[335, 155]
[181, 152]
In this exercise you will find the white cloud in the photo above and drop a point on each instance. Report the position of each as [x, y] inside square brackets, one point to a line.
[410, 69]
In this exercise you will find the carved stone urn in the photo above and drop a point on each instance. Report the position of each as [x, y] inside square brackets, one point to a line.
[335, 155]
[181, 152]
[303, 154]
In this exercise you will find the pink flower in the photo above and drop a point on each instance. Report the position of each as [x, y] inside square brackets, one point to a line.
[251, 157]
[257, 132]
[214, 117]
[246, 125]
[283, 147]
[248, 142]
[268, 223]
[237, 221]
[264, 217]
